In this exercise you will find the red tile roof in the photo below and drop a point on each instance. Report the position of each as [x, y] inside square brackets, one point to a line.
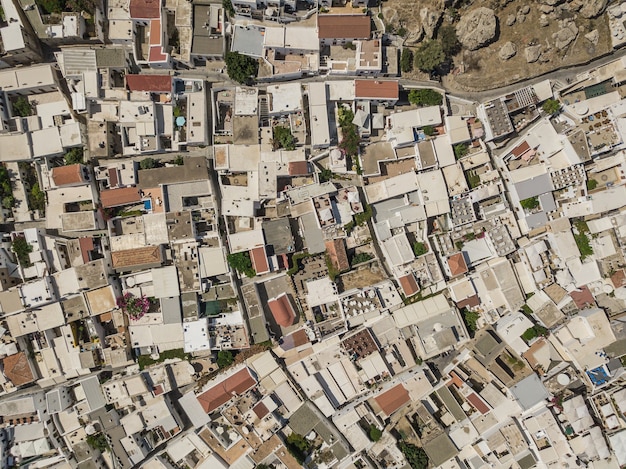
[376, 89]
[154, 83]
[393, 399]
[336, 250]
[409, 285]
[157, 54]
[149, 255]
[520, 149]
[457, 264]
[470, 302]
[281, 309]
[260, 410]
[343, 26]
[118, 197]
[478, 403]
[222, 392]
[619, 278]
[86, 246]
[17, 369]
[259, 260]
[582, 298]
[295, 339]
[299, 168]
[145, 9]
[65, 175]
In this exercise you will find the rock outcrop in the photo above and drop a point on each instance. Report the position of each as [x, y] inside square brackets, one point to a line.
[592, 8]
[429, 19]
[566, 35]
[477, 28]
[507, 51]
[593, 36]
[532, 53]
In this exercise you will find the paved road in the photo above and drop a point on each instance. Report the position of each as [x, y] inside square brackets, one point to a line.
[559, 74]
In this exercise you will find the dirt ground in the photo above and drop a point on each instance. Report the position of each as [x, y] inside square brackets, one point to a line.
[362, 277]
[483, 69]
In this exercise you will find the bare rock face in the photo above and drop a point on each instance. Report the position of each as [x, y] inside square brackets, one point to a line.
[546, 8]
[510, 20]
[566, 35]
[593, 37]
[544, 21]
[532, 53]
[550, 2]
[525, 9]
[477, 28]
[430, 19]
[521, 17]
[593, 8]
[507, 51]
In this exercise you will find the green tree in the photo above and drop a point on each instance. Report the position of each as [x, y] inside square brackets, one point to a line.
[74, 156]
[419, 249]
[283, 138]
[460, 150]
[471, 318]
[449, 41]
[406, 60]
[98, 441]
[179, 160]
[242, 263]
[37, 198]
[21, 107]
[530, 203]
[22, 249]
[224, 358]
[298, 446]
[325, 175]
[148, 163]
[228, 7]
[429, 56]
[241, 68]
[415, 456]
[425, 97]
[591, 184]
[361, 257]
[375, 434]
[551, 106]
[8, 201]
[429, 130]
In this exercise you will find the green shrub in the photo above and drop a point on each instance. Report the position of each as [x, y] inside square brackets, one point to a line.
[375, 434]
[282, 138]
[21, 107]
[591, 184]
[429, 56]
[530, 203]
[406, 60]
[415, 456]
[419, 249]
[224, 358]
[241, 68]
[148, 163]
[361, 257]
[425, 97]
[242, 263]
[22, 249]
[98, 441]
[461, 150]
[551, 106]
[74, 156]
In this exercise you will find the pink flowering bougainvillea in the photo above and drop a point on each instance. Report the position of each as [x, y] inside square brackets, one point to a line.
[135, 307]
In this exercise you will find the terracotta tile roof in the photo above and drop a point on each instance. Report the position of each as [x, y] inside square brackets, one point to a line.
[136, 257]
[154, 83]
[457, 264]
[259, 260]
[456, 380]
[17, 369]
[393, 399]
[583, 298]
[86, 246]
[293, 340]
[478, 403]
[222, 392]
[376, 89]
[157, 54]
[281, 309]
[260, 410]
[299, 168]
[470, 302]
[113, 176]
[343, 26]
[619, 278]
[336, 250]
[64, 175]
[409, 285]
[145, 9]
[117, 197]
[520, 149]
